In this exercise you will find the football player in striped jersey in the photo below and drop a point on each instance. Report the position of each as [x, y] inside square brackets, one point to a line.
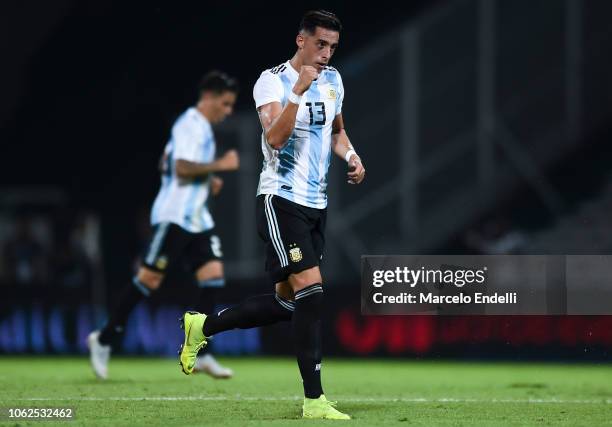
[184, 230]
[300, 108]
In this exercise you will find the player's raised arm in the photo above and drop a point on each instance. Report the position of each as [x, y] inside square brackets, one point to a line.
[278, 122]
[187, 169]
[344, 149]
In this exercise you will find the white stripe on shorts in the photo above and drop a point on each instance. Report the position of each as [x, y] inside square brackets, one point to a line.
[157, 242]
[275, 236]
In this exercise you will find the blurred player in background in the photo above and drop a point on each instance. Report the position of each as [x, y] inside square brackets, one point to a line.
[183, 226]
[300, 109]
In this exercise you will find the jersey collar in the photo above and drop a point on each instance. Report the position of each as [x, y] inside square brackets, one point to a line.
[200, 117]
[295, 73]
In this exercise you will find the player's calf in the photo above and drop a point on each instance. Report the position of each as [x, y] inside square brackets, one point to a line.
[132, 295]
[260, 310]
[306, 323]
[100, 342]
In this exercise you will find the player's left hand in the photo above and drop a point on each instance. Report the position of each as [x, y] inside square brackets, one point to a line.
[216, 184]
[356, 172]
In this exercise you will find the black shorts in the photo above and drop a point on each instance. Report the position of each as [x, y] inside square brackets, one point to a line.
[172, 244]
[294, 235]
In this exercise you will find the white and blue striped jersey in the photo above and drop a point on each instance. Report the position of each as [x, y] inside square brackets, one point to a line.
[298, 171]
[184, 201]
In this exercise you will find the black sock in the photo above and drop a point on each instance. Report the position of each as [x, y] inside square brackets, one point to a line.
[208, 292]
[206, 303]
[132, 295]
[260, 310]
[307, 337]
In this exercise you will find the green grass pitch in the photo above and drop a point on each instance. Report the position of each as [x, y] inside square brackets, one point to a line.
[266, 392]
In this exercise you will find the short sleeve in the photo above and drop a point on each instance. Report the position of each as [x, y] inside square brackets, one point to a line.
[340, 95]
[188, 141]
[268, 88]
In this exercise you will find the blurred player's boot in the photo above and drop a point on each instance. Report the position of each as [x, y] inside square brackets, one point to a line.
[322, 408]
[98, 355]
[192, 323]
[209, 365]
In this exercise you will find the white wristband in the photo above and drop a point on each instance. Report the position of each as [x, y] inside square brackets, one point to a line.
[348, 155]
[294, 98]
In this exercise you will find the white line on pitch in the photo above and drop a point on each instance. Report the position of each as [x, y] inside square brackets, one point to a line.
[298, 398]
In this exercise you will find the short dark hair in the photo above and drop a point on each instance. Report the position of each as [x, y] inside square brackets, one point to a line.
[217, 82]
[319, 18]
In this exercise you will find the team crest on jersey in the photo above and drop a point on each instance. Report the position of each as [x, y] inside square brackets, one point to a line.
[295, 253]
[331, 93]
[162, 262]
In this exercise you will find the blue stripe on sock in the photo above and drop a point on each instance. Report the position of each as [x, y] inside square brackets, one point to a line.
[212, 283]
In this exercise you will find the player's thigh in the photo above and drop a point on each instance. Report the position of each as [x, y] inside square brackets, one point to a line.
[165, 249]
[286, 230]
[305, 278]
[318, 235]
[150, 278]
[210, 270]
[284, 290]
[205, 256]
[267, 228]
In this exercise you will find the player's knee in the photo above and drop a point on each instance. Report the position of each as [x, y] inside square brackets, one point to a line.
[212, 269]
[151, 282]
[298, 283]
[284, 290]
[151, 279]
[305, 278]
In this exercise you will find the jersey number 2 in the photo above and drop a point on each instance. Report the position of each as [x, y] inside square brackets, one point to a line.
[215, 246]
[321, 112]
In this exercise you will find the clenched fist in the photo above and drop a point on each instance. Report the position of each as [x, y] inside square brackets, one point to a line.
[229, 161]
[356, 171]
[307, 75]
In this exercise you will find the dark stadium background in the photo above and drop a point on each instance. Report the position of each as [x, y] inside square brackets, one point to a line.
[90, 89]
